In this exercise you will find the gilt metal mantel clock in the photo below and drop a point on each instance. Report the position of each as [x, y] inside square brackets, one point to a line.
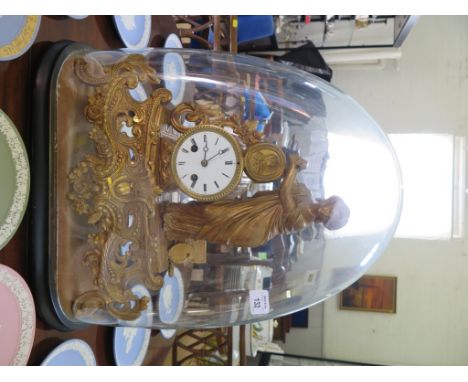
[207, 163]
[115, 187]
[204, 203]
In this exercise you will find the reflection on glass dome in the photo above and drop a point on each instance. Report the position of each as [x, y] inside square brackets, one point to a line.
[233, 189]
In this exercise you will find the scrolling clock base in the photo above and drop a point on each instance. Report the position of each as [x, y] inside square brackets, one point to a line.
[95, 227]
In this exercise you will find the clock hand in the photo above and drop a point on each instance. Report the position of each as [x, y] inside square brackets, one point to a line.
[194, 179]
[204, 162]
[220, 152]
[194, 147]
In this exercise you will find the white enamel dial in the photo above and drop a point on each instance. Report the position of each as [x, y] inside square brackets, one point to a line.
[207, 163]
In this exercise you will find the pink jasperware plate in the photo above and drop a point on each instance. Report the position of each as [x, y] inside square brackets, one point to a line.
[17, 318]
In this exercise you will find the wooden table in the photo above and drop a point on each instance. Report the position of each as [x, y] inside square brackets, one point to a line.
[16, 85]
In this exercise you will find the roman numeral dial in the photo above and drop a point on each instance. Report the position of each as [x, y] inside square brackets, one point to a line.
[207, 163]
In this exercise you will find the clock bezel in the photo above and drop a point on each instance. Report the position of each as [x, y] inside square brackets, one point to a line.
[237, 174]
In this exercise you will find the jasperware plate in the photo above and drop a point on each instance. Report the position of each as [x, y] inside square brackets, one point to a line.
[17, 318]
[74, 352]
[134, 30]
[14, 179]
[131, 343]
[17, 34]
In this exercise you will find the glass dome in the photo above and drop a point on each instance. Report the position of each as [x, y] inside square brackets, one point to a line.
[201, 189]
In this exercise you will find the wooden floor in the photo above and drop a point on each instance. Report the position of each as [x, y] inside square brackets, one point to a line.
[16, 84]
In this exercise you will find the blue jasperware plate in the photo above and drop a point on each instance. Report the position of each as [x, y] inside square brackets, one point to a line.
[131, 343]
[134, 30]
[17, 34]
[171, 298]
[168, 333]
[173, 74]
[173, 41]
[71, 353]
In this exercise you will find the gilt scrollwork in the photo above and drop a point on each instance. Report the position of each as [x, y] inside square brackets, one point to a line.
[116, 186]
[186, 116]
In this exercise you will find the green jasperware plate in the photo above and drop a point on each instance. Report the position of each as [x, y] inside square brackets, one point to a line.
[14, 179]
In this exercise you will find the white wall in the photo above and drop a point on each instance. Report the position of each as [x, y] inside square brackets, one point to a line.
[307, 342]
[430, 326]
[427, 91]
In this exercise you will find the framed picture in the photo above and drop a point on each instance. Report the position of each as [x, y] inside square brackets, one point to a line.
[371, 293]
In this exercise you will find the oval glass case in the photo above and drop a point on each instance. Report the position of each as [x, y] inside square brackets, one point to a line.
[254, 191]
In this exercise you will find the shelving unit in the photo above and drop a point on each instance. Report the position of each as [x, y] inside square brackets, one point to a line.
[340, 32]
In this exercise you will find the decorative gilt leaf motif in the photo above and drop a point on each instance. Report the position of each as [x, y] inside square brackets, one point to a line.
[94, 218]
[202, 114]
[118, 180]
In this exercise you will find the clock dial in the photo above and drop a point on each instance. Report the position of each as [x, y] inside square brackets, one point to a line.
[207, 163]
